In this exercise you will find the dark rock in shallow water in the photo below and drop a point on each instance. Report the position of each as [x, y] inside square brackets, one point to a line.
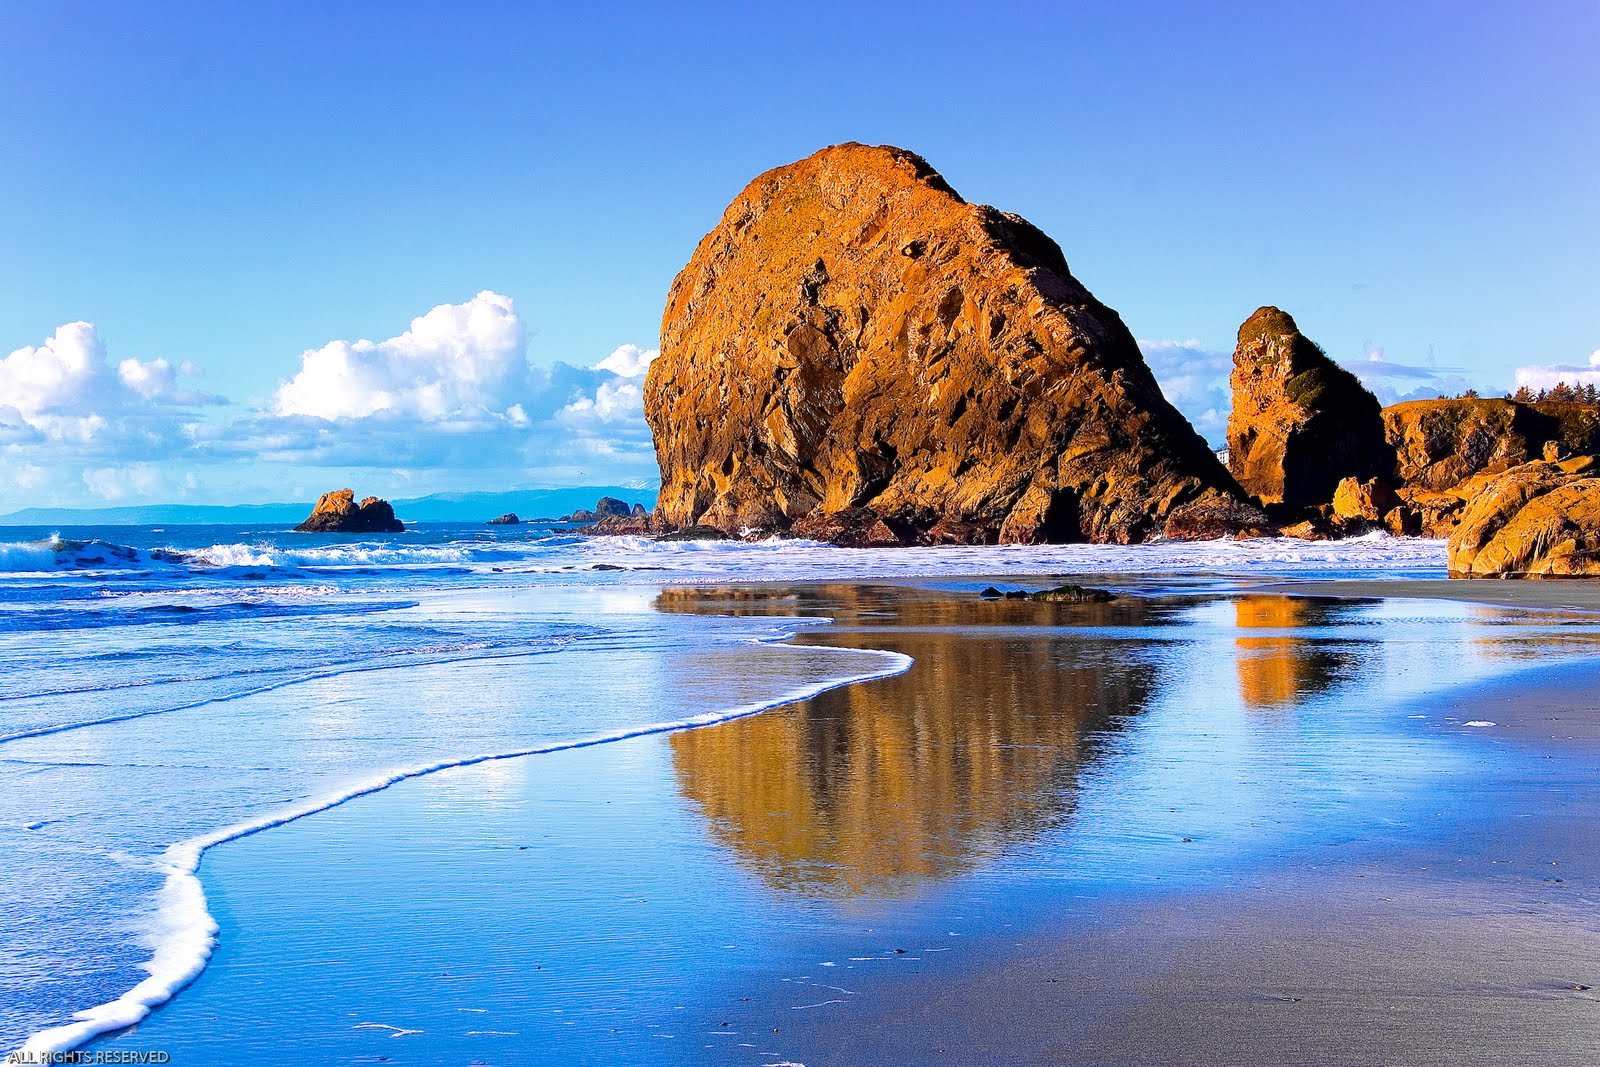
[1074, 594]
[508, 519]
[338, 512]
[695, 533]
[1061, 594]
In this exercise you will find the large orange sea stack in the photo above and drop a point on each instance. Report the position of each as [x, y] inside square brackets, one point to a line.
[858, 354]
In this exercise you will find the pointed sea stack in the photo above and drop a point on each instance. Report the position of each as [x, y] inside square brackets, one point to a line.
[1300, 422]
[858, 354]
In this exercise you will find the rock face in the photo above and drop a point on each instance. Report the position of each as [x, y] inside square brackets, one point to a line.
[1441, 443]
[857, 353]
[1575, 426]
[338, 512]
[1368, 501]
[1538, 519]
[1300, 423]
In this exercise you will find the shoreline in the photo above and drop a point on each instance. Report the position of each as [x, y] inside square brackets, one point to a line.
[1564, 594]
[899, 1017]
[183, 929]
[1469, 943]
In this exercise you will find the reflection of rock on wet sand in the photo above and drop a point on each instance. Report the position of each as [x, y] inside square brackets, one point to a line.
[878, 787]
[1279, 669]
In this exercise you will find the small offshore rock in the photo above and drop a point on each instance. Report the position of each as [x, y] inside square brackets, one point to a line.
[1371, 499]
[609, 507]
[338, 512]
[508, 519]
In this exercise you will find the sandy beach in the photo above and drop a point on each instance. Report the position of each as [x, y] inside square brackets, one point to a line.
[1195, 828]
[1472, 944]
[1573, 594]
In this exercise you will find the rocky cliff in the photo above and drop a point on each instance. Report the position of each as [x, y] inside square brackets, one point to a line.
[1537, 519]
[1300, 423]
[857, 353]
[1441, 443]
[338, 512]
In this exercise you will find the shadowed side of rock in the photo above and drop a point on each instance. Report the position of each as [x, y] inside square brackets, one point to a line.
[858, 354]
[1441, 443]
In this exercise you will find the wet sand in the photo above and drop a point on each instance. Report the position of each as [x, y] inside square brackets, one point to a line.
[1480, 946]
[1575, 594]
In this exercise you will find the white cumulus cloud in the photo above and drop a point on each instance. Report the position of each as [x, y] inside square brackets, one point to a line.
[628, 361]
[152, 379]
[459, 362]
[456, 391]
[1194, 380]
[65, 391]
[1548, 375]
[452, 397]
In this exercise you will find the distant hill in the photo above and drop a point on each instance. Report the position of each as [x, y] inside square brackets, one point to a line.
[527, 503]
[440, 507]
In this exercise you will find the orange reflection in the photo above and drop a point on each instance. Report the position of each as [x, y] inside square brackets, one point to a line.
[879, 787]
[1278, 669]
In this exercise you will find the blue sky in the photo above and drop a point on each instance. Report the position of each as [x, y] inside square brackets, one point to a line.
[221, 189]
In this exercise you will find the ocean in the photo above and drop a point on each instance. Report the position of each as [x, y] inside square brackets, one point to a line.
[164, 691]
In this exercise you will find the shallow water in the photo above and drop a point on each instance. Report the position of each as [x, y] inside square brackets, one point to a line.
[617, 904]
[122, 742]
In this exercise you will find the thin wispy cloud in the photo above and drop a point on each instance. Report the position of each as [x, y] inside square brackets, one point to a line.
[1393, 383]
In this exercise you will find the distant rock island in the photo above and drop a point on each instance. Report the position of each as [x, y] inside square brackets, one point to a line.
[613, 516]
[856, 353]
[508, 519]
[607, 507]
[338, 512]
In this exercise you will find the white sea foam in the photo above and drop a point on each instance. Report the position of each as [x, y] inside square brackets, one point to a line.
[181, 933]
[771, 560]
[476, 655]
